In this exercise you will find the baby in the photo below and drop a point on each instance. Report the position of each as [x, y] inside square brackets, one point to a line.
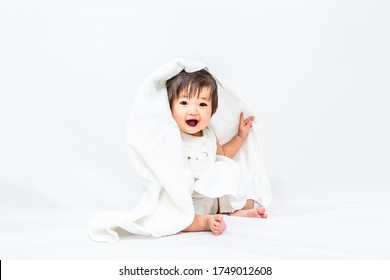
[193, 100]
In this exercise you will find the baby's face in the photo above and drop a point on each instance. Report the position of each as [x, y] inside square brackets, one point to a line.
[192, 114]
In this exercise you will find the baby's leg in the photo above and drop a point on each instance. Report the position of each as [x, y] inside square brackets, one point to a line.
[213, 223]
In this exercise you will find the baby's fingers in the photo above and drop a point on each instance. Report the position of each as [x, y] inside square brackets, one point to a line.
[248, 123]
[242, 117]
[251, 118]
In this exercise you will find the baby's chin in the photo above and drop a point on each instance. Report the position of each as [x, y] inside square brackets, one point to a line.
[193, 132]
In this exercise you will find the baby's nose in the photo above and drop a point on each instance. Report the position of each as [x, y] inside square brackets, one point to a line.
[192, 111]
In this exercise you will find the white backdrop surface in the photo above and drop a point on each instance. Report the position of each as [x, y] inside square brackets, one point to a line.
[316, 74]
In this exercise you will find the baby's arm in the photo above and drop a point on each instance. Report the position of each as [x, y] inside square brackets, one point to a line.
[231, 148]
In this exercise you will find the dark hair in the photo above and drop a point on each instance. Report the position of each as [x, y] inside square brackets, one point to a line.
[193, 83]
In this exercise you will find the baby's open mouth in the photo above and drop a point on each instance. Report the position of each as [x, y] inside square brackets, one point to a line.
[192, 122]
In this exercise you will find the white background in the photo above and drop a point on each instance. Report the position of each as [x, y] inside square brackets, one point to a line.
[316, 74]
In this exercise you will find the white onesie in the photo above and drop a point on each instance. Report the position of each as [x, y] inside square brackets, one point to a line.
[200, 151]
[210, 170]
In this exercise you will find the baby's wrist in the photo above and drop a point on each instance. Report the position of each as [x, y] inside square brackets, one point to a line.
[242, 139]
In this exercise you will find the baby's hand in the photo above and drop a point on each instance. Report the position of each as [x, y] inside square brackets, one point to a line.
[245, 126]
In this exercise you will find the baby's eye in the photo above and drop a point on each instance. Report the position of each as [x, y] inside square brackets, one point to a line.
[202, 104]
[183, 103]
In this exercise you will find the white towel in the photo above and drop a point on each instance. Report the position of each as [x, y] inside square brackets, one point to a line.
[155, 149]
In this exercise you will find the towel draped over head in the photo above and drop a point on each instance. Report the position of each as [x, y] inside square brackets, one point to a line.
[155, 149]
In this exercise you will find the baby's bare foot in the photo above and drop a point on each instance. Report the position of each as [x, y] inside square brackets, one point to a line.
[215, 223]
[251, 213]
